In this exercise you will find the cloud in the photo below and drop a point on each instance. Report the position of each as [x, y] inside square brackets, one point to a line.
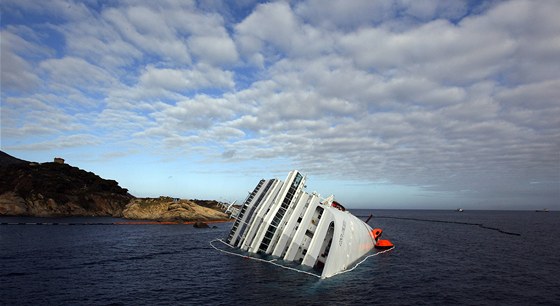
[180, 80]
[275, 30]
[30, 117]
[17, 73]
[437, 50]
[148, 31]
[62, 142]
[122, 123]
[97, 39]
[442, 96]
[340, 14]
[541, 95]
[78, 72]
[271, 22]
[61, 9]
[216, 50]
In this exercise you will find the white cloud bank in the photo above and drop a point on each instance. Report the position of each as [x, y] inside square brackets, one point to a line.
[453, 97]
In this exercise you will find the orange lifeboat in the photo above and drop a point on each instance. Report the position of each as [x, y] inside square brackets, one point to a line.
[380, 243]
[383, 244]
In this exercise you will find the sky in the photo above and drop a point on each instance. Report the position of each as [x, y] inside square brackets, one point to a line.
[385, 104]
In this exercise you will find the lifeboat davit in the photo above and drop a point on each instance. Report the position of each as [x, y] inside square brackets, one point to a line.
[383, 244]
[376, 233]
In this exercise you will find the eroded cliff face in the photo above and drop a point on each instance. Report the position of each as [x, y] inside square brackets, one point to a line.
[11, 204]
[55, 189]
[170, 209]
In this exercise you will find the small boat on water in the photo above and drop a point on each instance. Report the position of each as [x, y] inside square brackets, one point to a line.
[459, 209]
[279, 218]
[542, 210]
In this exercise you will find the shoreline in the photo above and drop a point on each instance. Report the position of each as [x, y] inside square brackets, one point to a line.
[140, 222]
[169, 222]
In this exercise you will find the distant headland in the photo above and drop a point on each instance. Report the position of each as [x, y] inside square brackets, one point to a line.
[56, 189]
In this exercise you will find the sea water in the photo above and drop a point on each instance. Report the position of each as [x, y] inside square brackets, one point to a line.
[433, 263]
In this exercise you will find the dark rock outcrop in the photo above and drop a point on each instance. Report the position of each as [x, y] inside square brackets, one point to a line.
[56, 189]
[200, 225]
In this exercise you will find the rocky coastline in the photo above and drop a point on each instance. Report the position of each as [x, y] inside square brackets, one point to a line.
[172, 209]
[56, 189]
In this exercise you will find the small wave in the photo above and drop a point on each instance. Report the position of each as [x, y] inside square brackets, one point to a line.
[13, 274]
[130, 258]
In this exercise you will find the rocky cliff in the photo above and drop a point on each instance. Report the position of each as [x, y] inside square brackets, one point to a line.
[170, 209]
[56, 189]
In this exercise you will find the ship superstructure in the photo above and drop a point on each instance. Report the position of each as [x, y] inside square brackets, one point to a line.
[281, 219]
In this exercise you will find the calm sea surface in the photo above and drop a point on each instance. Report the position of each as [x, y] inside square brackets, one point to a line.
[433, 263]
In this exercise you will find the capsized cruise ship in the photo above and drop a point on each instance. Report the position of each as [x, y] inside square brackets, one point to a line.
[281, 219]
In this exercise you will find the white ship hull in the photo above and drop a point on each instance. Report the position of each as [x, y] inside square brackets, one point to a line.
[281, 219]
